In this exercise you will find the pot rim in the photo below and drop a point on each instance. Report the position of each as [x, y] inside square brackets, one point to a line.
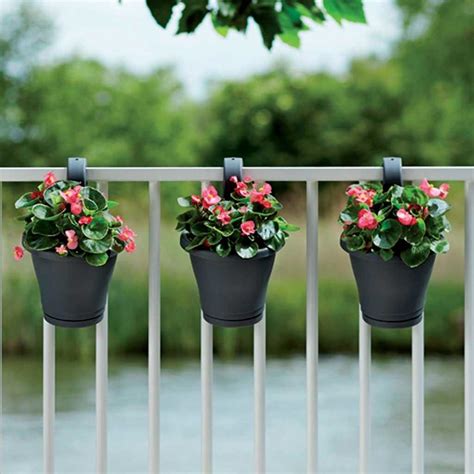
[374, 256]
[262, 253]
[48, 255]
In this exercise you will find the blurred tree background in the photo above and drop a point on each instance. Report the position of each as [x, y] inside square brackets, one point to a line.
[418, 103]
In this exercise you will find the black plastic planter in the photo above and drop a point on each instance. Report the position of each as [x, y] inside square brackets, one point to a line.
[232, 290]
[391, 294]
[73, 293]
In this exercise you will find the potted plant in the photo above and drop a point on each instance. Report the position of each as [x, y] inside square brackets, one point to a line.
[392, 237]
[232, 243]
[74, 241]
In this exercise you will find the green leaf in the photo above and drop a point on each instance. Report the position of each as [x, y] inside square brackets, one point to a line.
[89, 206]
[416, 254]
[437, 207]
[267, 20]
[199, 228]
[97, 229]
[386, 254]
[95, 246]
[97, 260]
[46, 228]
[220, 27]
[25, 201]
[415, 233]
[161, 10]
[277, 242]
[351, 10]
[196, 242]
[267, 230]
[91, 194]
[112, 204]
[223, 248]
[387, 234]
[52, 196]
[184, 201]
[38, 242]
[440, 246]
[214, 238]
[354, 242]
[187, 216]
[43, 212]
[192, 15]
[246, 248]
[414, 195]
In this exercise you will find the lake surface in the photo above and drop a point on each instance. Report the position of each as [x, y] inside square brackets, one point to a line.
[233, 411]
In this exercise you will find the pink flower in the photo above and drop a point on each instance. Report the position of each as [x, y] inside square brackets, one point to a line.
[241, 189]
[243, 209]
[72, 240]
[224, 217]
[72, 197]
[366, 220]
[84, 220]
[119, 219]
[18, 252]
[361, 195]
[234, 179]
[131, 246]
[49, 179]
[266, 204]
[266, 189]
[432, 192]
[353, 190]
[405, 218]
[126, 234]
[247, 227]
[256, 196]
[61, 250]
[247, 179]
[210, 197]
[195, 199]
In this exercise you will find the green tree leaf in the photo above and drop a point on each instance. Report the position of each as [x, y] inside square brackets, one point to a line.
[192, 15]
[351, 10]
[267, 20]
[161, 10]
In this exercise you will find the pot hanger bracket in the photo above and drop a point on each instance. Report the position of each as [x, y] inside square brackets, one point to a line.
[77, 170]
[232, 167]
[392, 172]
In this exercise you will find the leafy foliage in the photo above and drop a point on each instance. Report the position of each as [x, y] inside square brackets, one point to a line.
[243, 224]
[66, 218]
[403, 221]
[276, 18]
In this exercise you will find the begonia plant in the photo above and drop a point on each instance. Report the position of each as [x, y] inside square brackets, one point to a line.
[242, 224]
[406, 221]
[70, 219]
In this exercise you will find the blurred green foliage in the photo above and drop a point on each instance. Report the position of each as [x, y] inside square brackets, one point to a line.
[418, 103]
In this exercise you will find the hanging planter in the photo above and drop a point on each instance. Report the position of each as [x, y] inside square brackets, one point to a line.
[74, 241]
[392, 234]
[232, 243]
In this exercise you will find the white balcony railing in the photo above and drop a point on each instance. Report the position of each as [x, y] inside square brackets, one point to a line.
[312, 176]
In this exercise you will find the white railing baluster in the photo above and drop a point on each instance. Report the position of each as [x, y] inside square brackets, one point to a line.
[101, 347]
[1, 327]
[206, 396]
[312, 326]
[418, 402]
[48, 396]
[364, 393]
[154, 352]
[259, 395]
[469, 328]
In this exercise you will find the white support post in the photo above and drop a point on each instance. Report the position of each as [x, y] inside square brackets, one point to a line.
[364, 391]
[1, 327]
[469, 329]
[206, 396]
[154, 351]
[312, 326]
[48, 396]
[259, 393]
[101, 362]
[418, 433]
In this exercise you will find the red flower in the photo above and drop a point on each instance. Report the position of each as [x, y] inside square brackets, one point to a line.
[405, 218]
[247, 228]
[248, 179]
[210, 197]
[266, 204]
[73, 198]
[18, 252]
[234, 179]
[257, 196]
[84, 220]
[266, 189]
[241, 189]
[432, 192]
[195, 199]
[366, 220]
[49, 180]
[126, 234]
[224, 217]
[36, 194]
[61, 250]
[119, 219]
[131, 246]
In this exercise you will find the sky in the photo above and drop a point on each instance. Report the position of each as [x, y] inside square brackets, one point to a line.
[126, 34]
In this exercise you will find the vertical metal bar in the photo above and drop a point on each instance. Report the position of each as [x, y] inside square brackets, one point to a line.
[1, 327]
[206, 396]
[48, 396]
[101, 345]
[418, 433]
[154, 353]
[312, 325]
[259, 393]
[364, 393]
[469, 330]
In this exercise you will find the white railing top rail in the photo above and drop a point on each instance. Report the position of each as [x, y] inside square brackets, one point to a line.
[349, 173]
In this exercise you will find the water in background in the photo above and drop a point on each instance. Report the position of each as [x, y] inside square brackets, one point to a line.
[233, 411]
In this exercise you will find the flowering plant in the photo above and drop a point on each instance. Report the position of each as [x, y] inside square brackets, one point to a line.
[408, 221]
[69, 219]
[243, 224]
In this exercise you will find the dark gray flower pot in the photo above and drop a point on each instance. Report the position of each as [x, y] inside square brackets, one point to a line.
[232, 290]
[391, 294]
[73, 293]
